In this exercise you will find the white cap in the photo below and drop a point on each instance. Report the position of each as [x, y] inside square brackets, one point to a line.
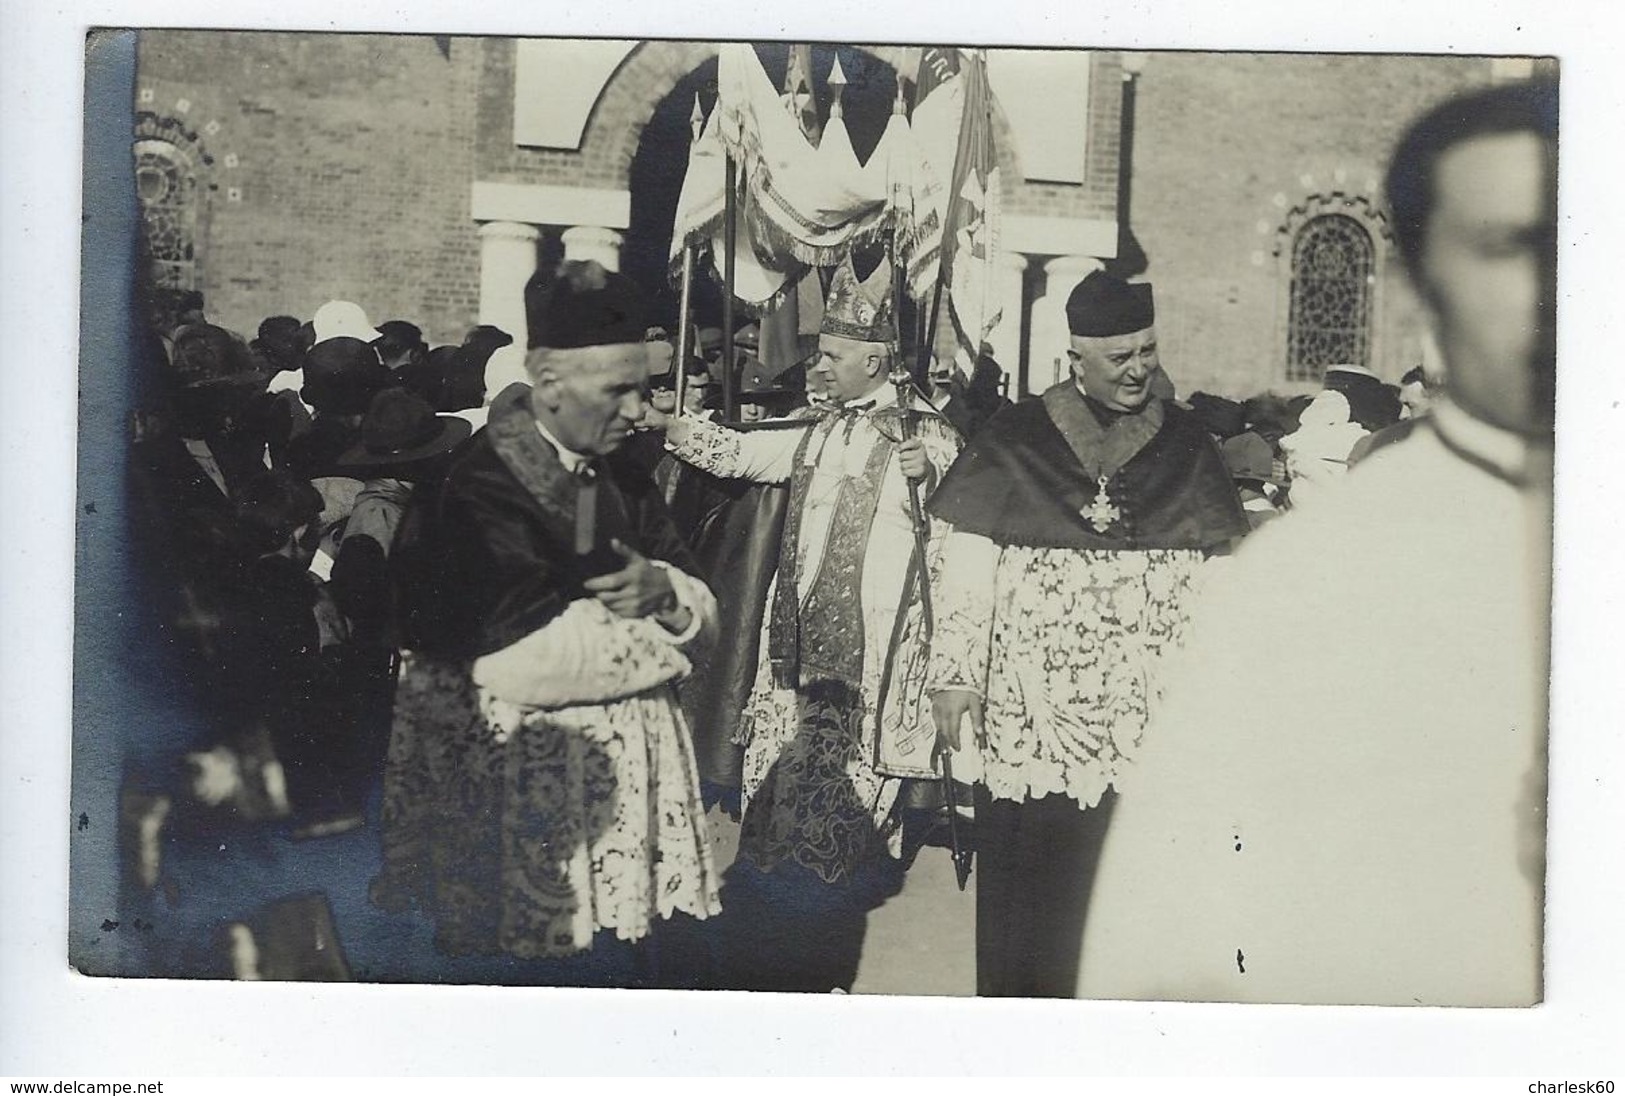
[503, 368]
[1359, 370]
[343, 318]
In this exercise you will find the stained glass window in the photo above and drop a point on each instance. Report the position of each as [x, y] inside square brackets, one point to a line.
[1330, 318]
[167, 186]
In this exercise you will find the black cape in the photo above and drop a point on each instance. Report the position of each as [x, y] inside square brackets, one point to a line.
[1018, 482]
[488, 556]
[736, 529]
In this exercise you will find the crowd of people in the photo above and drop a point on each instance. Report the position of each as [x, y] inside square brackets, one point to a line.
[532, 636]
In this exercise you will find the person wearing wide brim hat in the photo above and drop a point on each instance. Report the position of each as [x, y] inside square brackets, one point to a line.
[1259, 475]
[1373, 403]
[1091, 509]
[403, 444]
[1223, 418]
[343, 319]
[762, 392]
[401, 429]
[399, 343]
[217, 392]
[340, 377]
[772, 393]
[548, 602]
[842, 608]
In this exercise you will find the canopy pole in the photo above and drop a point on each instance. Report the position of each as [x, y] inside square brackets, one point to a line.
[685, 291]
[685, 328]
[730, 234]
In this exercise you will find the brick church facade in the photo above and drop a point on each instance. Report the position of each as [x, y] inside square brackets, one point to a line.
[278, 171]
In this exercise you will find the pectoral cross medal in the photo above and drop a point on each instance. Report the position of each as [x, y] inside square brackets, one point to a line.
[1102, 512]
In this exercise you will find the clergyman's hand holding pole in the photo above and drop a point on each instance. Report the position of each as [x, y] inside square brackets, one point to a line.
[905, 403]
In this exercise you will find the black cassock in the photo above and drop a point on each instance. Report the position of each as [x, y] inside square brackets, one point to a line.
[583, 822]
[489, 556]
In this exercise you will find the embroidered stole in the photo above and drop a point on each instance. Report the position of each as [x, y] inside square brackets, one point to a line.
[822, 637]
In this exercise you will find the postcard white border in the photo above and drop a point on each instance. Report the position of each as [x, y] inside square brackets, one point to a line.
[55, 1023]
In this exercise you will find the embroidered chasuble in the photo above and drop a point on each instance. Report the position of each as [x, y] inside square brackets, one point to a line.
[822, 638]
[839, 618]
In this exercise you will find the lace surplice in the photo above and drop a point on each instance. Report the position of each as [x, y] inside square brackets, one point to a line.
[585, 818]
[1064, 645]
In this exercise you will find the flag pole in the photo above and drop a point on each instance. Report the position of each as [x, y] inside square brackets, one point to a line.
[730, 234]
[685, 292]
[942, 258]
[920, 571]
[685, 330]
[922, 364]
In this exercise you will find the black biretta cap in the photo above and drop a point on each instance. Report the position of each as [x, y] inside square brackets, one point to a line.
[1102, 306]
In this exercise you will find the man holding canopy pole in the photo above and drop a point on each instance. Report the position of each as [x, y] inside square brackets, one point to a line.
[840, 678]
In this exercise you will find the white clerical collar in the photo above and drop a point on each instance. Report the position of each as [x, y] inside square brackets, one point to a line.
[573, 462]
[883, 396]
[1502, 451]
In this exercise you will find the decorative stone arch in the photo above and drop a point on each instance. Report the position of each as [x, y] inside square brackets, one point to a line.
[1358, 206]
[627, 102]
[1328, 217]
[617, 112]
[173, 186]
[178, 179]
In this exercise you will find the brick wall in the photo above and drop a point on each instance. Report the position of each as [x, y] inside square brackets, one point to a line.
[354, 156]
[1225, 146]
[613, 129]
[1096, 198]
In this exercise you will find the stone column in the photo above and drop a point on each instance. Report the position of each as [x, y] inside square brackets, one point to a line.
[1050, 337]
[1009, 289]
[585, 242]
[508, 256]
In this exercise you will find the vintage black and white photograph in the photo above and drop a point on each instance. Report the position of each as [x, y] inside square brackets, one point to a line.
[816, 517]
[787, 540]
